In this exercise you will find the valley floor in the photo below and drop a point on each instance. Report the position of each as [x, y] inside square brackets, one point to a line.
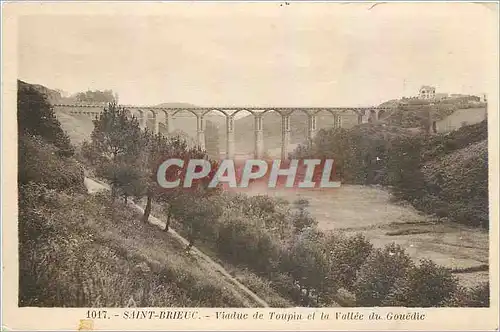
[370, 211]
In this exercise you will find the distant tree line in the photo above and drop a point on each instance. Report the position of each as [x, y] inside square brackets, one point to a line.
[97, 96]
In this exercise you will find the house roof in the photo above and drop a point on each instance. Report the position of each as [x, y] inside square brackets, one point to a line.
[427, 87]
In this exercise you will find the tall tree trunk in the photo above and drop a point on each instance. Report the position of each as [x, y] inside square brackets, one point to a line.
[169, 215]
[147, 210]
[113, 192]
[190, 239]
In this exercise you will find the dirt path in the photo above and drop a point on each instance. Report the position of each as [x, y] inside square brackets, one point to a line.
[94, 186]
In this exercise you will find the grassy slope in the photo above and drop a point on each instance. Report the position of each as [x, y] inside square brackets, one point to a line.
[256, 284]
[105, 257]
[78, 127]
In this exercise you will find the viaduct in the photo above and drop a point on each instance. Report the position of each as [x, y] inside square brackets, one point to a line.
[364, 115]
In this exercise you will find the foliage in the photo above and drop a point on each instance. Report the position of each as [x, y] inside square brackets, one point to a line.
[346, 256]
[426, 285]
[75, 255]
[403, 168]
[379, 273]
[302, 219]
[477, 296]
[115, 136]
[442, 174]
[308, 265]
[195, 212]
[96, 96]
[35, 117]
[39, 162]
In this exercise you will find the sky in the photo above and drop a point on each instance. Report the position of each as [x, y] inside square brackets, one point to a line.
[255, 54]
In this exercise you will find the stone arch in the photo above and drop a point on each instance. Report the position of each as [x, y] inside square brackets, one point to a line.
[277, 111]
[215, 110]
[167, 124]
[139, 111]
[243, 110]
[372, 115]
[380, 114]
[332, 115]
[185, 109]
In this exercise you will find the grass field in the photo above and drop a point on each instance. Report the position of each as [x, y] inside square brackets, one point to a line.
[371, 211]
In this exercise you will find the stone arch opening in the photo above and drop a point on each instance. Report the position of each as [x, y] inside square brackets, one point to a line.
[185, 125]
[301, 119]
[244, 122]
[165, 121]
[372, 116]
[217, 122]
[381, 114]
[271, 132]
[325, 119]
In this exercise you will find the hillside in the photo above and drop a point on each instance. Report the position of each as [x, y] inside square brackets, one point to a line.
[85, 249]
[445, 174]
[448, 114]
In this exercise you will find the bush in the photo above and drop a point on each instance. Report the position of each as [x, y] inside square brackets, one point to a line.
[88, 253]
[379, 273]
[245, 243]
[403, 168]
[40, 163]
[426, 285]
[302, 219]
[478, 296]
[308, 265]
[35, 117]
[346, 256]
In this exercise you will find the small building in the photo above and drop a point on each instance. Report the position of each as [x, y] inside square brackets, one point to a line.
[483, 98]
[427, 92]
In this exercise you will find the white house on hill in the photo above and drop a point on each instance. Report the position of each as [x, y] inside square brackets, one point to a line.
[427, 92]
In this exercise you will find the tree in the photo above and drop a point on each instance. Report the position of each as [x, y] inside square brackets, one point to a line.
[308, 264]
[426, 285]
[476, 297]
[126, 180]
[379, 273]
[346, 256]
[115, 136]
[120, 144]
[158, 149]
[35, 117]
[97, 96]
[195, 211]
[404, 167]
[302, 219]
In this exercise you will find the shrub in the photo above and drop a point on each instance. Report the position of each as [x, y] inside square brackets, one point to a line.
[40, 163]
[77, 256]
[378, 274]
[308, 265]
[478, 296]
[426, 285]
[243, 242]
[346, 256]
[302, 219]
[35, 117]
